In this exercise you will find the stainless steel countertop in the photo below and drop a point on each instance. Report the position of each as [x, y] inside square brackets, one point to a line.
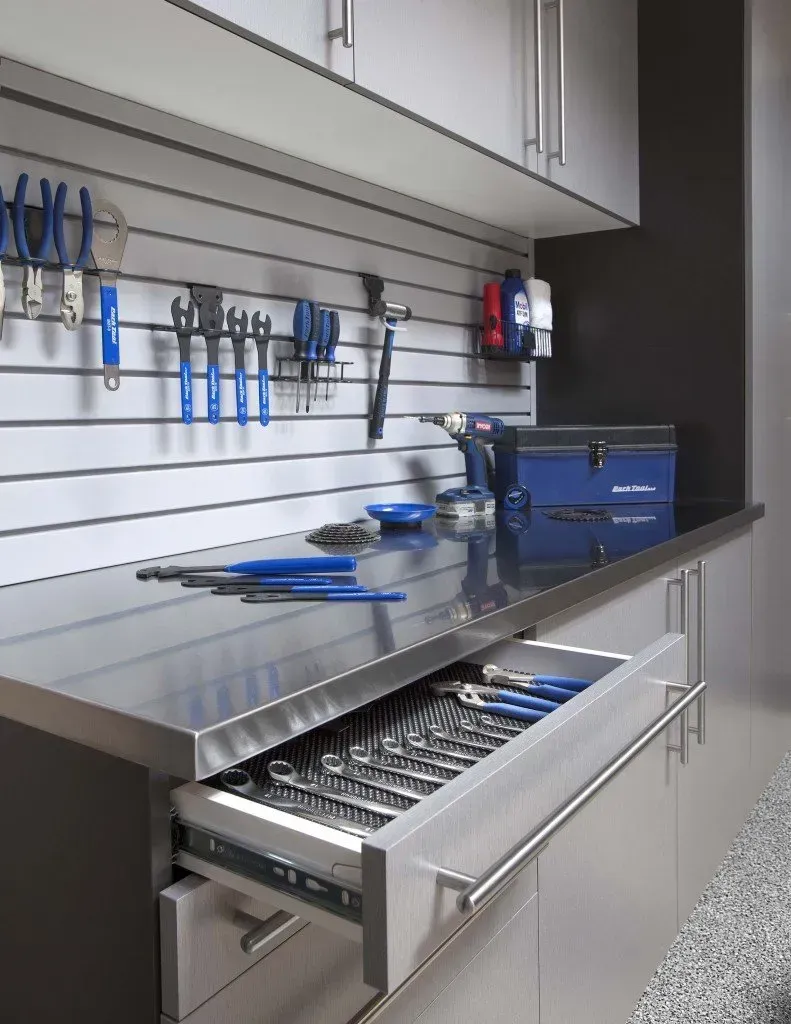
[189, 683]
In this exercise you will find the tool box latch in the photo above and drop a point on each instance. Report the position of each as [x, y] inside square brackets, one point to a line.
[598, 453]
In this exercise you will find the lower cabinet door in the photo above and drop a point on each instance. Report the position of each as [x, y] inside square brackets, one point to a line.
[500, 985]
[607, 886]
[715, 793]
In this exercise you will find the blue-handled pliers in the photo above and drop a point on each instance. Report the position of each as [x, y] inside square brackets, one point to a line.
[33, 277]
[504, 702]
[72, 304]
[4, 231]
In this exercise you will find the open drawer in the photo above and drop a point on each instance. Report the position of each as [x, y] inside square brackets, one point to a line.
[383, 890]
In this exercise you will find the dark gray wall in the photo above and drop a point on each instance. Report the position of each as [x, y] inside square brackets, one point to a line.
[83, 851]
[650, 321]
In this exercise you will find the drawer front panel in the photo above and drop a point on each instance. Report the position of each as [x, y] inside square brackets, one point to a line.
[465, 825]
[314, 978]
[201, 927]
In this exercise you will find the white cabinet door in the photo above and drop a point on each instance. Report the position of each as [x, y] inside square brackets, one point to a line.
[459, 64]
[607, 887]
[298, 27]
[601, 113]
[714, 790]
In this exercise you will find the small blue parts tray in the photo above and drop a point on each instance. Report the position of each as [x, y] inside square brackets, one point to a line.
[401, 513]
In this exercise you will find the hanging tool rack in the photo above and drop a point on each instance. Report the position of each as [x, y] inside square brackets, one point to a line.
[309, 372]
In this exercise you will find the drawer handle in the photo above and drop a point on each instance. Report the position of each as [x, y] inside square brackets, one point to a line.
[474, 892]
[266, 932]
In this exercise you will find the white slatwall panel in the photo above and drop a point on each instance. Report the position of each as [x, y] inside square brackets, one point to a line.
[90, 478]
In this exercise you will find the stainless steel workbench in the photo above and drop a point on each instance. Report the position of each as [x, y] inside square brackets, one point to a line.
[189, 683]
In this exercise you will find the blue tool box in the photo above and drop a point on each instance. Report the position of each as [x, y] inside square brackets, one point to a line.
[534, 550]
[584, 465]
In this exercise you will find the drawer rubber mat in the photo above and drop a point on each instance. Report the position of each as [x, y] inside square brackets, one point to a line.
[411, 709]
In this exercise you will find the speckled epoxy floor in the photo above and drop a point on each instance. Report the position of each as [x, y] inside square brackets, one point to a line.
[732, 960]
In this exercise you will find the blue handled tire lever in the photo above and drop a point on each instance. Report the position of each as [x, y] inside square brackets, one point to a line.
[238, 589]
[107, 254]
[368, 596]
[262, 567]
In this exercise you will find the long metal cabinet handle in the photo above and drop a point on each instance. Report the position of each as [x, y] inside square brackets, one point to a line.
[560, 152]
[346, 31]
[701, 570]
[538, 29]
[683, 584]
[496, 877]
[266, 932]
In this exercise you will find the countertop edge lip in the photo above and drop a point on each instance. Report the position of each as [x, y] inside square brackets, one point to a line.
[53, 712]
[193, 755]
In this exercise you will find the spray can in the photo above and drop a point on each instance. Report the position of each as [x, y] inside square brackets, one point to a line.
[492, 319]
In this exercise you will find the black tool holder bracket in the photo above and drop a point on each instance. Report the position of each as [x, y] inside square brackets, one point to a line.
[299, 374]
[377, 305]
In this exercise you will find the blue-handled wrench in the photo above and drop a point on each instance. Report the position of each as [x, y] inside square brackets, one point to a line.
[33, 277]
[107, 254]
[261, 330]
[4, 232]
[184, 321]
[211, 321]
[237, 325]
[72, 304]
[528, 680]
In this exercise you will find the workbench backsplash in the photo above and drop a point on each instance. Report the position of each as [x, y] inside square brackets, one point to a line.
[90, 477]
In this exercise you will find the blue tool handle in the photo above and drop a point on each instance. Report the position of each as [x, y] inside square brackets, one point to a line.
[312, 350]
[241, 398]
[18, 213]
[329, 588]
[566, 682]
[554, 693]
[292, 581]
[326, 563]
[324, 337]
[335, 333]
[523, 700]
[377, 426]
[213, 392]
[111, 349]
[87, 226]
[263, 397]
[186, 393]
[512, 711]
[378, 595]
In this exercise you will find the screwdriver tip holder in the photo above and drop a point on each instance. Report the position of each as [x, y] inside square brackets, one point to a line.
[310, 373]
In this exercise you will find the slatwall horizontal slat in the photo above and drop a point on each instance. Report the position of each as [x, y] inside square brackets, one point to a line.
[31, 397]
[90, 478]
[77, 548]
[32, 450]
[34, 504]
[45, 345]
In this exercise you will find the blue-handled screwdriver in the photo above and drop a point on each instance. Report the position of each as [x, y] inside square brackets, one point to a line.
[307, 331]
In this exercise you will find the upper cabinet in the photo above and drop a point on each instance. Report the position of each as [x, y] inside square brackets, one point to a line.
[521, 114]
[306, 28]
[589, 53]
[459, 64]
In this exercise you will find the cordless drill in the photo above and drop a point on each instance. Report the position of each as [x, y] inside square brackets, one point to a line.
[471, 432]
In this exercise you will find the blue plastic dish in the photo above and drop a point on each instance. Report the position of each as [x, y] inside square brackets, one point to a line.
[401, 513]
